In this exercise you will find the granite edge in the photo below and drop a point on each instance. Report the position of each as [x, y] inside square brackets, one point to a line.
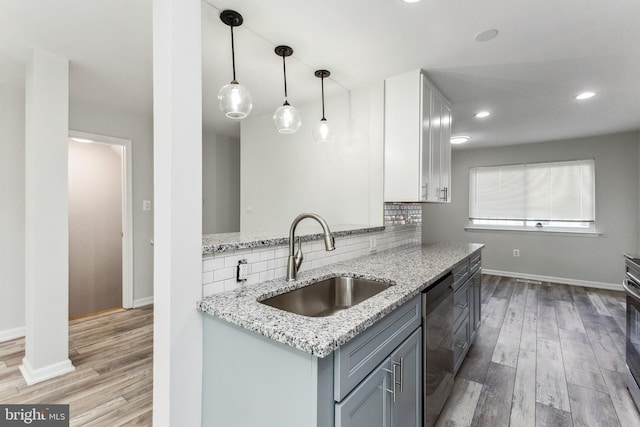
[276, 241]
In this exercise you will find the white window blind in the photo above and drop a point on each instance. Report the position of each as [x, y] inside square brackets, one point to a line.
[551, 192]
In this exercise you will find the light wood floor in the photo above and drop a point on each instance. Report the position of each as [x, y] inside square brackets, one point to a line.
[545, 355]
[113, 382]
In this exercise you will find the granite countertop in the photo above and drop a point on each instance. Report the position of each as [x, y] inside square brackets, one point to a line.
[409, 269]
[224, 242]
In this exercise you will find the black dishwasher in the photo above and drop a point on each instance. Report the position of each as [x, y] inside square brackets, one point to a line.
[437, 351]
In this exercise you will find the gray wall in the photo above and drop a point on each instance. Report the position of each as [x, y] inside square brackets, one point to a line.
[595, 259]
[220, 183]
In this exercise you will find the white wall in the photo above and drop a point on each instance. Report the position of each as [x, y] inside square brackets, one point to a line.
[102, 120]
[285, 175]
[594, 259]
[177, 177]
[12, 158]
[220, 183]
[46, 217]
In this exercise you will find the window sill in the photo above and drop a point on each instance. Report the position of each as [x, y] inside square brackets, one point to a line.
[585, 233]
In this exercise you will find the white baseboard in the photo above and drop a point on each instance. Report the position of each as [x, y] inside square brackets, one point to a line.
[141, 302]
[563, 280]
[12, 334]
[33, 376]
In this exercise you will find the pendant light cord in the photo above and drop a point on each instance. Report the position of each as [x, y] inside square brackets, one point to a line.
[233, 55]
[284, 68]
[322, 83]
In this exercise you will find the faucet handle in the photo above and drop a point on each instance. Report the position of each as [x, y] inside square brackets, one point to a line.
[299, 256]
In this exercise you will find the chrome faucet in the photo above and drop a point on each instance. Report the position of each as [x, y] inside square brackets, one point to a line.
[293, 265]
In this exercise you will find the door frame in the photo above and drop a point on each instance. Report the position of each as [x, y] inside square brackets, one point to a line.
[127, 207]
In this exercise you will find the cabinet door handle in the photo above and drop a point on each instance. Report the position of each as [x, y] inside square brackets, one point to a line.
[461, 344]
[462, 307]
[401, 364]
[445, 193]
[392, 371]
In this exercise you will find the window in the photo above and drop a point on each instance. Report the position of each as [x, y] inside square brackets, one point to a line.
[558, 195]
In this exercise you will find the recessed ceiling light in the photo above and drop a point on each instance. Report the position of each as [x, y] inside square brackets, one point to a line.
[482, 114]
[460, 139]
[82, 140]
[411, 1]
[485, 36]
[585, 95]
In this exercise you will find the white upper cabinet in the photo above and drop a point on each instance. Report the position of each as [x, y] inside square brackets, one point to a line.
[417, 147]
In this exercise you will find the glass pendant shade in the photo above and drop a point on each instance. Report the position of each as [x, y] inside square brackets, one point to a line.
[235, 101]
[322, 132]
[287, 119]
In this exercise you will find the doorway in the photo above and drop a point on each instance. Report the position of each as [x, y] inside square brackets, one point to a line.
[99, 224]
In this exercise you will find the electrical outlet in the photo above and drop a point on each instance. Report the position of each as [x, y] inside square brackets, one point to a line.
[146, 205]
[243, 270]
[516, 252]
[373, 244]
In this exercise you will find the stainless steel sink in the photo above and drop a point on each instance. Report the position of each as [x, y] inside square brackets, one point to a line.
[326, 297]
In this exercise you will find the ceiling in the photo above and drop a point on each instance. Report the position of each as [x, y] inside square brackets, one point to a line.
[546, 52]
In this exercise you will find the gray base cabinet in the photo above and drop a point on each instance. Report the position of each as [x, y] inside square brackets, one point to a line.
[286, 387]
[391, 395]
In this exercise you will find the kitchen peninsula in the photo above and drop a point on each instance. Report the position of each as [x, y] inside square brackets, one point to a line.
[259, 359]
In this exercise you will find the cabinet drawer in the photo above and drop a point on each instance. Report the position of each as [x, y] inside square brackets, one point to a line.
[460, 344]
[460, 273]
[357, 358]
[461, 302]
[475, 263]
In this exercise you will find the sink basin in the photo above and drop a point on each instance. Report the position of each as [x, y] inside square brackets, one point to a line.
[326, 297]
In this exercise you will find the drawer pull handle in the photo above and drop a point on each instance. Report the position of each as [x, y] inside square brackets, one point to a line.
[460, 276]
[462, 307]
[461, 344]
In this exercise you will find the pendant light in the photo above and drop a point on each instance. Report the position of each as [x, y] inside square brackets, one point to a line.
[234, 99]
[286, 118]
[321, 130]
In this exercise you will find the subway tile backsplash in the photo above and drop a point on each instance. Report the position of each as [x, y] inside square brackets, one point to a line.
[402, 213]
[219, 270]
